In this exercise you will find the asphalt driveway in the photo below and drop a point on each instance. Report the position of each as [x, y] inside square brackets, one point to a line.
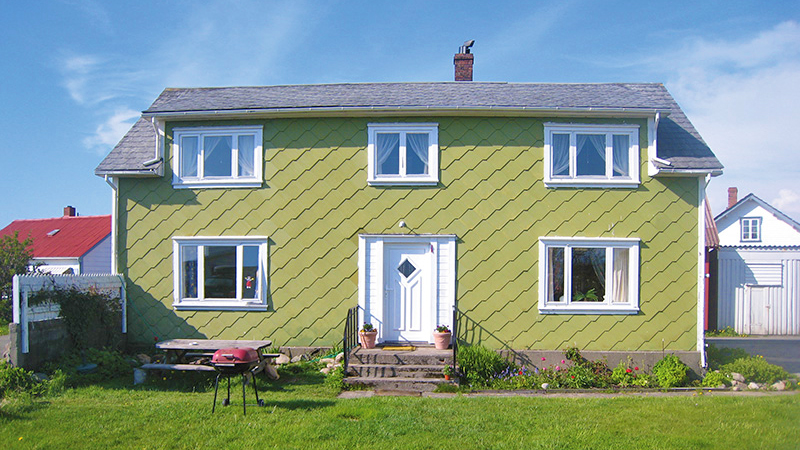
[783, 351]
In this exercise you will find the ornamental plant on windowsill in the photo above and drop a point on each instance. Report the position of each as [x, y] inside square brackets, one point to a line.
[368, 335]
[441, 337]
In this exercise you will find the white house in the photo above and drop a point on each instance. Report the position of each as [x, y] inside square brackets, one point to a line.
[759, 268]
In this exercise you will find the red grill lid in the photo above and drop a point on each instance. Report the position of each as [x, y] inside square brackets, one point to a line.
[235, 356]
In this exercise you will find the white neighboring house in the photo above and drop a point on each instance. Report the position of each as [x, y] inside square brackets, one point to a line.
[759, 268]
[70, 244]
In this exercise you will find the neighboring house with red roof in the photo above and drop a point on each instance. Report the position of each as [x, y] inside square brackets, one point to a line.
[67, 244]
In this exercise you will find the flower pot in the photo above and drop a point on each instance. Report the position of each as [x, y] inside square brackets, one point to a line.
[441, 340]
[447, 377]
[367, 338]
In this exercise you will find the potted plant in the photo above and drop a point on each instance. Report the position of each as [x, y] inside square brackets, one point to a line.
[367, 335]
[441, 337]
[448, 372]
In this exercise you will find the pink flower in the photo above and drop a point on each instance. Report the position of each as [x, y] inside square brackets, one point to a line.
[635, 368]
[543, 358]
[558, 367]
[573, 376]
[563, 362]
[628, 371]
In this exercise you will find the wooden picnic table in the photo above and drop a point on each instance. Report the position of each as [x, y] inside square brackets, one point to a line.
[181, 351]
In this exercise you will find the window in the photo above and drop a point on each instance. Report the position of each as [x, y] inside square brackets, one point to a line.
[217, 157]
[591, 155]
[403, 153]
[219, 273]
[751, 229]
[588, 275]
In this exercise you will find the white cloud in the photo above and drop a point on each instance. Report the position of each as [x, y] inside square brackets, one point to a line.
[743, 96]
[108, 133]
[787, 200]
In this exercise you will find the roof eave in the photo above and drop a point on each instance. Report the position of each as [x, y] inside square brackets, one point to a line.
[148, 173]
[669, 172]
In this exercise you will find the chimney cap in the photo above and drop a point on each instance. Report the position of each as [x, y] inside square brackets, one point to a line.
[467, 45]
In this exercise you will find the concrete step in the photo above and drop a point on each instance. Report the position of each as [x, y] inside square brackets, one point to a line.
[403, 370]
[421, 356]
[398, 383]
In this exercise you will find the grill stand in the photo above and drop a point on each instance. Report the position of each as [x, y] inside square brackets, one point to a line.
[227, 401]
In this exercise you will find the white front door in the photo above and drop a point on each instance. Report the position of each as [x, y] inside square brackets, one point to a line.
[759, 309]
[408, 292]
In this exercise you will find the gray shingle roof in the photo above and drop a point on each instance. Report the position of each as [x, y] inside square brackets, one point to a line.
[678, 141]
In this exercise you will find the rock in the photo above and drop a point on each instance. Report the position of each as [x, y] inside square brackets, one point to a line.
[297, 358]
[327, 361]
[330, 365]
[325, 370]
[779, 386]
[736, 387]
[139, 376]
[753, 385]
[340, 357]
[737, 377]
[283, 359]
[271, 371]
[545, 386]
[143, 359]
[41, 376]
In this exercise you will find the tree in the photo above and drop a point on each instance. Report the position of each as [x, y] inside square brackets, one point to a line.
[15, 255]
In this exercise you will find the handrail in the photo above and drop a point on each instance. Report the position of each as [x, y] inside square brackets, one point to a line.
[455, 339]
[350, 339]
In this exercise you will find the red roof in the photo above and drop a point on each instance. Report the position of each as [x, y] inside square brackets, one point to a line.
[76, 235]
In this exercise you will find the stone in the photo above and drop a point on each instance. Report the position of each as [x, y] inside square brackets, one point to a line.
[327, 361]
[139, 376]
[779, 386]
[325, 370]
[297, 358]
[143, 359]
[340, 357]
[736, 387]
[737, 377]
[545, 386]
[753, 385]
[271, 371]
[41, 376]
[283, 359]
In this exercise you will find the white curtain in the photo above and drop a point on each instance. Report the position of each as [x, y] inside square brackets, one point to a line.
[246, 157]
[417, 144]
[620, 276]
[188, 147]
[620, 159]
[217, 156]
[388, 144]
[597, 142]
[560, 154]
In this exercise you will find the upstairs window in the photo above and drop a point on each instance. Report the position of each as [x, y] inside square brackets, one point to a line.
[591, 155]
[401, 153]
[588, 275]
[219, 273]
[751, 229]
[217, 157]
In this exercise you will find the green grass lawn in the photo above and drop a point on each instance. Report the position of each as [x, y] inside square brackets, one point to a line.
[302, 413]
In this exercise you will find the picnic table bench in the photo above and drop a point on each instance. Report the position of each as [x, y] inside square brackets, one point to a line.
[181, 353]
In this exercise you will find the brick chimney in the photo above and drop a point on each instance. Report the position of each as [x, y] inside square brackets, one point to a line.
[69, 211]
[733, 196]
[463, 62]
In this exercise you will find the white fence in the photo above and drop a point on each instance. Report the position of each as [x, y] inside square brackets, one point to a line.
[25, 285]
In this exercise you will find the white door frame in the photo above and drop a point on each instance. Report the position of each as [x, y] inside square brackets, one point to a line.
[371, 271]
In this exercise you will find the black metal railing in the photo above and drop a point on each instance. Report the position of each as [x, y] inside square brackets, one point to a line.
[350, 340]
[455, 339]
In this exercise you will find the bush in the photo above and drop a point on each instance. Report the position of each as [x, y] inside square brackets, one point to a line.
[17, 380]
[623, 375]
[725, 332]
[717, 357]
[480, 366]
[715, 379]
[110, 364]
[670, 372]
[757, 369]
[335, 379]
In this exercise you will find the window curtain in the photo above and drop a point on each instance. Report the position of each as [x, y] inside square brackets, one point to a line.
[598, 260]
[217, 156]
[595, 141]
[418, 145]
[246, 155]
[560, 154]
[387, 144]
[188, 156]
[620, 159]
[620, 276]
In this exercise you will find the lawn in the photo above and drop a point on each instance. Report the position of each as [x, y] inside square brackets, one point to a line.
[303, 413]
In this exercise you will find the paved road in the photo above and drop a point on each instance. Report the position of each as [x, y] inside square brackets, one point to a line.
[783, 351]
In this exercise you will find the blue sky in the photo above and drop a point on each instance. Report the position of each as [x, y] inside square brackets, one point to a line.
[76, 74]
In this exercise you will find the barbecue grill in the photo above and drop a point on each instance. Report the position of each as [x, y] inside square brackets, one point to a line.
[235, 361]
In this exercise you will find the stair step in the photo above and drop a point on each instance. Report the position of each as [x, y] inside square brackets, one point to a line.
[405, 370]
[424, 356]
[398, 383]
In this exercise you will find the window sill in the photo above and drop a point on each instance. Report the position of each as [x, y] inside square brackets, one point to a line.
[588, 309]
[211, 184]
[623, 184]
[403, 182]
[218, 306]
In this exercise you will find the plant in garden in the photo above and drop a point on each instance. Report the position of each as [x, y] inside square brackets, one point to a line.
[757, 369]
[367, 327]
[14, 258]
[442, 329]
[670, 372]
[335, 379]
[716, 379]
[110, 364]
[719, 356]
[624, 375]
[479, 365]
[725, 332]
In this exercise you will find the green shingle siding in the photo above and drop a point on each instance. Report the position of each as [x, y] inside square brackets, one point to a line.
[315, 201]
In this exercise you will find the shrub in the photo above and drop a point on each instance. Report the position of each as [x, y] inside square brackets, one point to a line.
[16, 380]
[717, 357]
[479, 365]
[623, 375]
[725, 332]
[110, 364]
[645, 380]
[335, 379]
[716, 379]
[670, 372]
[580, 377]
[756, 368]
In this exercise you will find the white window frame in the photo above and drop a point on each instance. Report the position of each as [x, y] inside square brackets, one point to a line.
[750, 221]
[431, 129]
[179, 180]
[259, 303]
[607, 180]
[605, 307]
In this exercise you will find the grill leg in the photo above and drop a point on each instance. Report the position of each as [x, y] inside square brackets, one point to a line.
[216, 386]
[244, 401]
[255, 389]
[229, 390]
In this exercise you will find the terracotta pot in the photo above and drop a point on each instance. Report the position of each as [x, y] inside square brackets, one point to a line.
[367, 338]
[447, 377]
[441, 340]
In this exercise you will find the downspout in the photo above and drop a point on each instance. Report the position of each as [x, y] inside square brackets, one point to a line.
[114, 202]
[159, 156]
[702, 183]
[652, 145]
